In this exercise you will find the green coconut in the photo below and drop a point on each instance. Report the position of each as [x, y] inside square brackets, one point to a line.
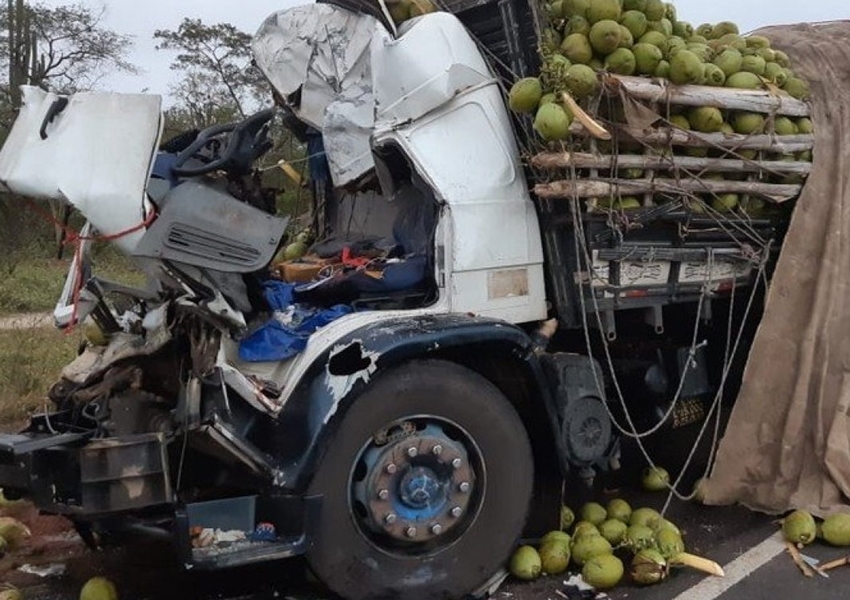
[588, 546]
[634, 5]
[581, 81]
[525, 563]
[577, 25]
[575, 8]
[552, 122]
[663, 26]
[618, 508]
[680, 121]
[656, 38]
[804, 125]
[725, 203]
[655, 10]
[753, 64]
[767, 54]
[547, 98]
[796, 87]
[747, 123]
[603, 10]
[593, 512]
[669, 543]
[713, 76]
[562, 537]
[568, 517]
[577, 48]
[627, 40]
[603, 572]
[663, 70]
[670, 11]
[638, 537]
[644, 516]
[620, 61]
[729, 61]
[782, 58]
[613, 530]
[584, 528]
[647, 58]
[730, 40]
[295, 250]
[706, 119]
[674, 44]
[724, 28]
[784, 126]
[596, 64]
[836, 529]
[775, 73]
[648, 567]
[666, 524]
[98, 588]
[702, 51]
[683, 29]
[704, 30]
[555, 10]
[635, 21]
[550, 40]
[757, 41]
[605, 36]
[697, 39]
[685, 68]
[743, 80]
[525, 95]
[554, 557]
[799, 527]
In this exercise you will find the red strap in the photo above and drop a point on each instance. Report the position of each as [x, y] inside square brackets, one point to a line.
[73, 237]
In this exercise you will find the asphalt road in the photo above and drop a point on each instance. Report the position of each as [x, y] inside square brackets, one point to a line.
[745, 543]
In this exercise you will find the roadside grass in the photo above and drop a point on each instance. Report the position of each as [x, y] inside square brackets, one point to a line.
[33, 283]
[30, 362]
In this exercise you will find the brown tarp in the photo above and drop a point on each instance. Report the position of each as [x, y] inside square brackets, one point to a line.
[788, 440]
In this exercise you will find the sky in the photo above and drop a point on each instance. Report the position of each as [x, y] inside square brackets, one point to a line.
[141, 18]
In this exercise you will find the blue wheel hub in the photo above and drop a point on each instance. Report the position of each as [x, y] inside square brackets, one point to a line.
[415, 487]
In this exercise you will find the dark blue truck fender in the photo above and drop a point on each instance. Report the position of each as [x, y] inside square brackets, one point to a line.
[497, 350]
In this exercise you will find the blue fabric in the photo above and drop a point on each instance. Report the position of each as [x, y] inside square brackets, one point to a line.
[320, 171]
[275, 341]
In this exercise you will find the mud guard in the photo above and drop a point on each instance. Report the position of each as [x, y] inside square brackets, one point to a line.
[312, 414]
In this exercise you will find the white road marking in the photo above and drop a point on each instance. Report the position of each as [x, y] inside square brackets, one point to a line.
[737, 570]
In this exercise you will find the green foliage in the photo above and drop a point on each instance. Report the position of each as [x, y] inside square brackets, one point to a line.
[30, 362]
[219, 82]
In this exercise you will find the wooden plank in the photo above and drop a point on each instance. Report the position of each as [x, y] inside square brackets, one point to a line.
[603, 188]
[680, 137]
[583, 160]
[662, 91]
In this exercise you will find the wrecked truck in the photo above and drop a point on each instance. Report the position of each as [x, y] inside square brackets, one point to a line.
[398, 419]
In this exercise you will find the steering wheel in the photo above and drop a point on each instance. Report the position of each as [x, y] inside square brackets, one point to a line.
[246, 140]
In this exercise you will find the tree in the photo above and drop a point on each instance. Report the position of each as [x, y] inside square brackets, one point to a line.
[63, 49]
[219, 81]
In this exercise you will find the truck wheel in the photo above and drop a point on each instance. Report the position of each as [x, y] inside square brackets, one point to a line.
[426, 485]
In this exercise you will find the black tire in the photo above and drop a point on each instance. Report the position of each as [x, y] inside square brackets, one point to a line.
[354, 566]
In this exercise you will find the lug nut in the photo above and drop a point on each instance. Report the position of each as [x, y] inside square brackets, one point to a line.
[437, 450]
[456, 512]
[412, 451]
[436, 529]
[384, 494]
[411, 532]
[456, 463]
[464, 487]
[391, 468]
[389, 519]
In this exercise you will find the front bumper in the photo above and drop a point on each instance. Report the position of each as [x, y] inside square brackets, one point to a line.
[72, 474]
